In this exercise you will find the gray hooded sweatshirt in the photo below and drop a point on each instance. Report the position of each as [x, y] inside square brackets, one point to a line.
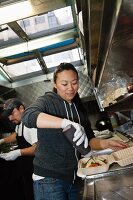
[55, 156]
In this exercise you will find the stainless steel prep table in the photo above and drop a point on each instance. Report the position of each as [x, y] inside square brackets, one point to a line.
[116, 184]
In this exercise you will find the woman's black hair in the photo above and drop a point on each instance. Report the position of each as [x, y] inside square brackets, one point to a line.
[60, 68]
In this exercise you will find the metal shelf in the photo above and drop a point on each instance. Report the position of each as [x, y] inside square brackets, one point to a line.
[124, 104]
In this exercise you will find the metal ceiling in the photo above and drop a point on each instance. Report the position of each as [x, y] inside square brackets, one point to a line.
[44, 44]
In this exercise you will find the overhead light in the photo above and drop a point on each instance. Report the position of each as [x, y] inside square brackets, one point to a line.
[37, 43]
[16, 11]
[26, 8]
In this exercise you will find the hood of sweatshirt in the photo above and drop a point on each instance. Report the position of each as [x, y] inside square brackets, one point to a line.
[69, 107]
[55, 95]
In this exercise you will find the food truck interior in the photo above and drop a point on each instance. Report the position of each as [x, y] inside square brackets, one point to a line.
[96, 36]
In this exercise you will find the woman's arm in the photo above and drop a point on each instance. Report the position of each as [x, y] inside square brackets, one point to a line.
[99, 144]
[48, 121]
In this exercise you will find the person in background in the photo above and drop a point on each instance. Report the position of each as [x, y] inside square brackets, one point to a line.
[22, 157]
[55, 162]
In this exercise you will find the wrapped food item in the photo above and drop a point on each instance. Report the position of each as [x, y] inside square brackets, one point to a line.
[95, 161]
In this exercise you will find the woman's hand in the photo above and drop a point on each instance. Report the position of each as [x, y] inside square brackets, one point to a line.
[79, 135]
[113, 144]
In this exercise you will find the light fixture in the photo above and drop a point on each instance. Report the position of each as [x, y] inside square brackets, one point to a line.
[16, 11]
[37, 43]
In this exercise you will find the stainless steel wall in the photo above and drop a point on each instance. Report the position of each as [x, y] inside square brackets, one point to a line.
[30, 93]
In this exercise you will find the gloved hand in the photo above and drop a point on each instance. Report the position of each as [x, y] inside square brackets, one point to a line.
[12, 155]
[1, 141]
[79, 135]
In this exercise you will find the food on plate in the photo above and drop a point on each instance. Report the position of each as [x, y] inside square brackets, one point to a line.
[95, 161]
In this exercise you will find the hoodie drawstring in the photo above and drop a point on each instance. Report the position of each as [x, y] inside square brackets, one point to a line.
[73, 121]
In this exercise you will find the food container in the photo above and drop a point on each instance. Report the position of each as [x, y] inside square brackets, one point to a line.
[83, 171]
[122, 157]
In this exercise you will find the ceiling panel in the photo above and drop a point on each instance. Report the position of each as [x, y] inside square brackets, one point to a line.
[27, 8]
[47, 29]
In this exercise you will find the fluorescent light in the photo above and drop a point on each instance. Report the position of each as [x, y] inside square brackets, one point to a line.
[15, 11]
[37, 43]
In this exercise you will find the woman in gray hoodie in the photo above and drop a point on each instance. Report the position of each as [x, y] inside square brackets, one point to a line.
[55, 162]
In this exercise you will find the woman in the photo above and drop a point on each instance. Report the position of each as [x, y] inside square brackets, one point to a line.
[55, 162]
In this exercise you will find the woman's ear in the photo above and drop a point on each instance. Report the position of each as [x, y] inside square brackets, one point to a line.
[54, 85]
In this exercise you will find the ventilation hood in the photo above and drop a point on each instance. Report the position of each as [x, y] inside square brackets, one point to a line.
[107, 38]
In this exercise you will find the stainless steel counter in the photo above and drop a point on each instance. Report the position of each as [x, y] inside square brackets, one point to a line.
[116, 184]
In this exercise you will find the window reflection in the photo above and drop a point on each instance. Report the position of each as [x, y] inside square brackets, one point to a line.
[47, 23]
[66, 56]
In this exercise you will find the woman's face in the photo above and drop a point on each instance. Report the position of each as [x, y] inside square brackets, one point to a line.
[67, 84]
